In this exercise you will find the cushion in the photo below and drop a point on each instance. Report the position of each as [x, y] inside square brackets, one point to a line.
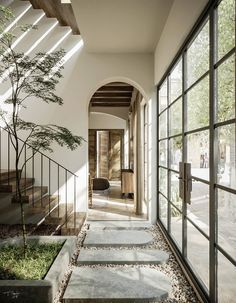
[100, 184]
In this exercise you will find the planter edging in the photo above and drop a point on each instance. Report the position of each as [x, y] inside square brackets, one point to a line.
[39, 291]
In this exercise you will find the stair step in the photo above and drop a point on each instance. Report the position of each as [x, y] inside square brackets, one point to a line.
[122, 256]
[116, 285]
[117, 238]
[6, 174]
[60, 214]
[47, 203]
[10, 187]
[33, 193]
[74, 224]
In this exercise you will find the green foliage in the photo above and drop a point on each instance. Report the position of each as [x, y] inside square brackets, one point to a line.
[198, 63]
[30, 79]
[34, 267]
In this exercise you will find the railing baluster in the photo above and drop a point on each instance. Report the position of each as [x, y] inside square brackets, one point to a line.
[41, 180]
[49, 185]
[58, 189]
[25, 168]
[41, 176]
[66, 194]
[74, 201]
[33, 177]
[0, 154]
[8, 160]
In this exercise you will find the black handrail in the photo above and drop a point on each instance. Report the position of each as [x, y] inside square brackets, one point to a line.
[41, 176]
[37, 151]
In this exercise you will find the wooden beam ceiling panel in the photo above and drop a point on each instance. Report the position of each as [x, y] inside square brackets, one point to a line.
[114, 88]
[110, 100]
[106, 104]
[55, 9]
[115, 94]
[112, 95]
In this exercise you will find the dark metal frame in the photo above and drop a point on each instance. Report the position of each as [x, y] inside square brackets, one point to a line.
[209, 14]
[43, 161]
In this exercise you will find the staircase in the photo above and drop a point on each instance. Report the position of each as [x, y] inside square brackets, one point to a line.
[48, 190]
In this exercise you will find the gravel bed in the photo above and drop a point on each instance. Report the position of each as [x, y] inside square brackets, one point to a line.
[72, 265]
[181, 292]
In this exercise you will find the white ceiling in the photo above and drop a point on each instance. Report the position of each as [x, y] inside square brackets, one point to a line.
[116, 26]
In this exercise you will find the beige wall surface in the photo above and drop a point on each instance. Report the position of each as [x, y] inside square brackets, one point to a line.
[83, 74]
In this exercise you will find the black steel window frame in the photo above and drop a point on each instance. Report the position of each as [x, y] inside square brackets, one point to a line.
[209, 14]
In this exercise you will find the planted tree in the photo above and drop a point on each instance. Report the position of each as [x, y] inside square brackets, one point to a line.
[29, 78]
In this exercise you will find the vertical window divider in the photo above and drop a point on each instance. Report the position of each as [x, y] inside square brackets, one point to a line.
[184, 148]
[158, 153]
[213, 161]
[168, 156]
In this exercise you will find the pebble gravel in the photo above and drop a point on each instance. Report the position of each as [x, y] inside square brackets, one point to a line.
[181, 292]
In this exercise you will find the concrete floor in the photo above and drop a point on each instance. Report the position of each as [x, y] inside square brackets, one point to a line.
[111, 206]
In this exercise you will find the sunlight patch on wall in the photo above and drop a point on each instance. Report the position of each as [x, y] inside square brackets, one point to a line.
[16, 20]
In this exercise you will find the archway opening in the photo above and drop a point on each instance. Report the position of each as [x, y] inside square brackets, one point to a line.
[117, 160]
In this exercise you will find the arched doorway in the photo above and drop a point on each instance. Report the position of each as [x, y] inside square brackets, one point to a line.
[116, 159]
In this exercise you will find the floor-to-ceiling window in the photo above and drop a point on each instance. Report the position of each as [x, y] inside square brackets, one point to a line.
[197, 153]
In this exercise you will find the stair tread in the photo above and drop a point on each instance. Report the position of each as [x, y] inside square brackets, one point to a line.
[45, 201]
[62, 211]
[13, 182]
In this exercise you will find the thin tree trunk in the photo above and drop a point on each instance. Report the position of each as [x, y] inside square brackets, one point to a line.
[19, 200]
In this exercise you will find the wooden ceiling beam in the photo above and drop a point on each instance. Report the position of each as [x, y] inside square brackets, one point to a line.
[114, 89]
[120, 100]
[55, 9]
[112, 95]
[107, 104]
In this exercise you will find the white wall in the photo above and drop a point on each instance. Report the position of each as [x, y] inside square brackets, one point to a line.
[105, 121]
[121, 112]
[83, 74]
[181, 19]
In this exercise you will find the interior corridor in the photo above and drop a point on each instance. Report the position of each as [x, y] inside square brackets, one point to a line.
[111, 205]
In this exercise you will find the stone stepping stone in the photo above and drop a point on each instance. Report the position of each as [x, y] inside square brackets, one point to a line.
[116, 285]
[141, 256]
[118, 225]
[117, 238]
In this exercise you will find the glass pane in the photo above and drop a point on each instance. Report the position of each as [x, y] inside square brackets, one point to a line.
[227, 221]
[226, 27]
[198, 105]
[163, 152]
[176, 226]
[226, 280]
[198, 56]
[226, 90]
[163, 97]
[198, 210]
[174, 190]
[163, 174]
[226, 156]
[163, 209]
[198, 253]
[175, 152]
[163, 125]
[176, 82]
[176, 118]
[198, 154]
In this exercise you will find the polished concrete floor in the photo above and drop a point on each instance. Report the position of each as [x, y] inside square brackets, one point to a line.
[110, 205]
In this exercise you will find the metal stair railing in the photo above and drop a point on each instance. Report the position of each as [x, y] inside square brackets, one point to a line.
[56, 186]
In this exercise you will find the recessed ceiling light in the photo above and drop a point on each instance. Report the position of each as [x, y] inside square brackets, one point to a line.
[65, 1]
